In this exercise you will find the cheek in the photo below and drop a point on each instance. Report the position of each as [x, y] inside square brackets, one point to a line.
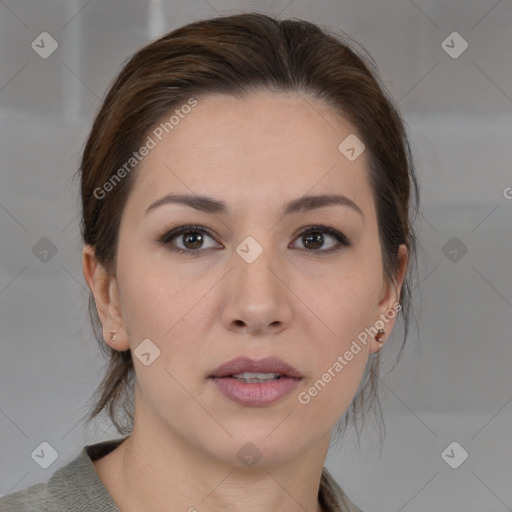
[154, 292]
[157, 306]
[349, 303]
[150, 306]
[162, 303]
[328, 394]
[349, 309]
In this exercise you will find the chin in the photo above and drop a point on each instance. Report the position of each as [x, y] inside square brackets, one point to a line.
[256, 448]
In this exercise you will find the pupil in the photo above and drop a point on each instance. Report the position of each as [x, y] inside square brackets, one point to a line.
[316, 238]
[194, 240]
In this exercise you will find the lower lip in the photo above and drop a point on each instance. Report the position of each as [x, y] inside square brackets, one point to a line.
[255, 394]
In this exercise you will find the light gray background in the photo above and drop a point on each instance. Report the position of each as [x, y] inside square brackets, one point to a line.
[454, 384]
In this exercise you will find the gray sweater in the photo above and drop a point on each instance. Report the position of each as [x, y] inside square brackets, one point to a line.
[77, 487]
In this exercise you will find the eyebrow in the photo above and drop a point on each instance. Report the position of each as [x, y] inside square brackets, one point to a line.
[302, 204]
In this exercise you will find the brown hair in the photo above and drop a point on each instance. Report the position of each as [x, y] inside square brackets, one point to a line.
[235, 55]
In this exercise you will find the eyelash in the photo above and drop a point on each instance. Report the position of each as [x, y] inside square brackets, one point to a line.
[343, 241]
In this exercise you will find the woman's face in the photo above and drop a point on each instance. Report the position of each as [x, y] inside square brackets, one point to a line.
[246, 281]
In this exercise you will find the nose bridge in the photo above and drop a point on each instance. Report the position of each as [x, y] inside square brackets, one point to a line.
[256, 297]
[255, 263]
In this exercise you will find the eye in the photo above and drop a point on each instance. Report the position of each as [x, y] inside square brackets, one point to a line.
[314, 239]
[192, 239]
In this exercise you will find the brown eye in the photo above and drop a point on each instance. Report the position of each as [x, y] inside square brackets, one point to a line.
[192, 240]
[322, 239]
[313, 240]
[187, 239]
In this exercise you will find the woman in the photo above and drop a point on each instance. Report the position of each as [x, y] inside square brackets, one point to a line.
[246, 190]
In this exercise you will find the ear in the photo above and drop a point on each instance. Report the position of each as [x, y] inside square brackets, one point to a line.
[390, 296]
[106, 295]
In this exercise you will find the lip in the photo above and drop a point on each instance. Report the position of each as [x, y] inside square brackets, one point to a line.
[266, 365]
[255, 394]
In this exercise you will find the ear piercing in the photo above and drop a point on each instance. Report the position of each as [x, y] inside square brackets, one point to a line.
[379, 338]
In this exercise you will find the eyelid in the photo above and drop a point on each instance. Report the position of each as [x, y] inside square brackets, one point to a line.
[343, 240]
[341, 237]
[174, 232]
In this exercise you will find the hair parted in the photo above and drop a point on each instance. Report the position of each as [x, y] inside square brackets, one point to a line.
[236, 55]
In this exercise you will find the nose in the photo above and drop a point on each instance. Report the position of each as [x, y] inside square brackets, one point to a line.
[257, 298]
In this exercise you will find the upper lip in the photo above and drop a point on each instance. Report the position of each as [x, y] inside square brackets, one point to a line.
[266, 365]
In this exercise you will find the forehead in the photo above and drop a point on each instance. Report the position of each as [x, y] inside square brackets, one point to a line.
[265, 145]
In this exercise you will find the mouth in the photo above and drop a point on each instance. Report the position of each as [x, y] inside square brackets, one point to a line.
[253, 377]
[255, 383]
[244, 368]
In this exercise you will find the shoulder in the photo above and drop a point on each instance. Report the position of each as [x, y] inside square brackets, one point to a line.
[34, 498]
[76, 487]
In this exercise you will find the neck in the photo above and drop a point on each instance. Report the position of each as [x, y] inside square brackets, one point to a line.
[157, 470]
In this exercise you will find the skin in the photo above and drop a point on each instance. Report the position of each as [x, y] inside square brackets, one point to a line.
[294, 302]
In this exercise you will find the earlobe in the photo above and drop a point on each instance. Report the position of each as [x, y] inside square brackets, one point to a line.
[390, 298]
[104, 288]
[379, 338]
